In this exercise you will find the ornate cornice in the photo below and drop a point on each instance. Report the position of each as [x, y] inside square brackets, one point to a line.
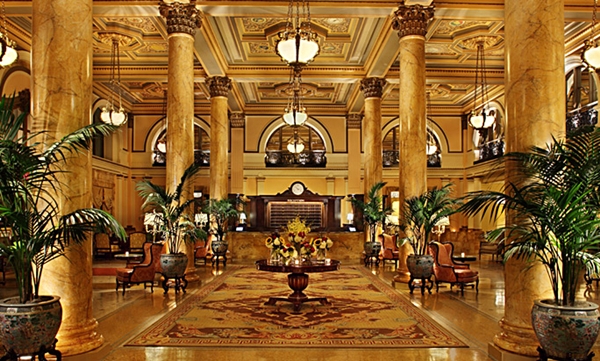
[412, 19]
[181, 18]
[218, 86]
[372, 87]
[353, 121]
[237, 120]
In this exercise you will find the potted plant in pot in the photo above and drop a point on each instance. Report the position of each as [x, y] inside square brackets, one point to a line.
[419, 216]
[38, 232]
[553, 205]
[220, 212]
[177, 225]
[374, 215]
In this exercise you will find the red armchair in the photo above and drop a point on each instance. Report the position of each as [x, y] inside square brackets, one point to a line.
[446, 270]
[201, 251]
[390, 249]
[143, 272]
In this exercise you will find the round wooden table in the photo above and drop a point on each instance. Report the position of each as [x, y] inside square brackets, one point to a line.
[297, 280]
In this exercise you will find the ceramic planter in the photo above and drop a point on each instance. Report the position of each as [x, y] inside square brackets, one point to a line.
[372, 248]
[26, 328]
[219, 247]
[565, 332]
[173, 265]
[420, 266]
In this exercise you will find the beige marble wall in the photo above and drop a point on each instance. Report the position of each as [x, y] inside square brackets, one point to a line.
[61, 101]
[535, 110]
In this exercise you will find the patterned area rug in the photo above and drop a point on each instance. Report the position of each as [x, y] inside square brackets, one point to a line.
[230, 311]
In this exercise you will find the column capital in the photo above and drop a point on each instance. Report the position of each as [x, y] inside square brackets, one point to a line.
[218, 86]
[354, 120]
[412, 19]
[372, 87]
[181, 18]
[237, 120]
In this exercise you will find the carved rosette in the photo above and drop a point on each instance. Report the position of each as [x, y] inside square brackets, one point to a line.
[354, 120]
[372, 87]
[181, 18]
[218, 86]
[412, 20]
[237, 120]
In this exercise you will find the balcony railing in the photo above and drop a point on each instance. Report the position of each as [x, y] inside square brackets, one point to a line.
[200, 157]
[491, 150]
[314, 158]
[583, 117]
[391, 159]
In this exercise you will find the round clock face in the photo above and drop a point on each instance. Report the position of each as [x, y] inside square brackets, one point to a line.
[297, 188]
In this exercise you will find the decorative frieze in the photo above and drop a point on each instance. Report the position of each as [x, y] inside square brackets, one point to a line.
[181, 18]
[353, 121]
[372, 87]
[218, 86]
[412, 20]
[237, 120]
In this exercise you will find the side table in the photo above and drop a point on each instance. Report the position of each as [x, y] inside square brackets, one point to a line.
[179, 282]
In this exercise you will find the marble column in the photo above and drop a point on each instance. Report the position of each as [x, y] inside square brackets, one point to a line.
[372, 89]
[237, 123]
[219, 87]
[182, 21]
[61, 73]
[411, 23]
[353, 123]
[535, 110]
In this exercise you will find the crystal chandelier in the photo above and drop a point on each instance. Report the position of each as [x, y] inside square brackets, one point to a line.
[8, 52]
[481, 119]
[295, 144]
[297, 45]
[110, 114]
[591, 53]
[295, 113]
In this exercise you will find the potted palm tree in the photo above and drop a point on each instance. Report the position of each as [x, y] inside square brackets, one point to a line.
[220, 212]
[420, 215]
[553, 203]
[37, 230]
[176, 225]
[374, 215]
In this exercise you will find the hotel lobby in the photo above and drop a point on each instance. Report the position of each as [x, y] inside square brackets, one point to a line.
[415, 93]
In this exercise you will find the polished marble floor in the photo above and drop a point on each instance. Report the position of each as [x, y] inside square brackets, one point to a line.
[472, 317]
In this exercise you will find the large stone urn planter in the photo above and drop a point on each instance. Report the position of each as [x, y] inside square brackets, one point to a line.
[564, 332]
[420, 268]
[219, 248]
[173, 265]
[372, 250]
[31, 328]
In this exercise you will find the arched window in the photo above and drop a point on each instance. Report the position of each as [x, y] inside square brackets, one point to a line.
[295, 147]
[201, 148]
[391, 146]
[582, 97]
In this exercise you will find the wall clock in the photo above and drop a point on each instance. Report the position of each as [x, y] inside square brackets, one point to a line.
[297, 188]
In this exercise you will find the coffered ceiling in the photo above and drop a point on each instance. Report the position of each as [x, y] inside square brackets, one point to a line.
[237, 39]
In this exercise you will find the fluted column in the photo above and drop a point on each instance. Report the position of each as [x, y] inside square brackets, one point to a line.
[535, 111]
[62, 90]
[219, 135]
[372, 89]
[411, 23]
[237, 121]
[182, 21]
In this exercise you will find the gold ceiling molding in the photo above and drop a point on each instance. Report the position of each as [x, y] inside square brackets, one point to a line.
[144, 24]
[154, 47]
[439, 49]
[259, 24]
[450, 27]
[107, 37]
[489, 41]
[334, 25]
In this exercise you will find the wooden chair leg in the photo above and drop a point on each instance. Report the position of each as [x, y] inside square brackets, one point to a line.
[477, 285]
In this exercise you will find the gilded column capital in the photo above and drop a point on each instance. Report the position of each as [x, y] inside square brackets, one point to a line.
[237, 120]
[412, 19]
[372, 87]
[218, 86]
[354, 120]
[181, 18]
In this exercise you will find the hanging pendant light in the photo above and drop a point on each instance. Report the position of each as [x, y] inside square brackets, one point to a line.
[110, 113]
[481, 118]
[295, 113]
[295, 144]
[591, 53]
[8, 50]
[297, 45]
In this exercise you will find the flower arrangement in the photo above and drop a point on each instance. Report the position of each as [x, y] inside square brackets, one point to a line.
[322, 243]
[296, 244]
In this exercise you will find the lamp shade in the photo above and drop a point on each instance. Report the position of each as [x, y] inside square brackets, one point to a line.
[431, 149]
[10, 56]
[111, 116]
[161, 146]
[297, 49]
[444, 221]
[294, 117]
[476, 121]
[295, 146]
[592, 56]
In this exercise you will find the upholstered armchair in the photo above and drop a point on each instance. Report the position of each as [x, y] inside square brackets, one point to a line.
[446, 270]
[496, 249]
[103, 245]
[136, 241]
[201, 251]
[390, 249]
[143, 272]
